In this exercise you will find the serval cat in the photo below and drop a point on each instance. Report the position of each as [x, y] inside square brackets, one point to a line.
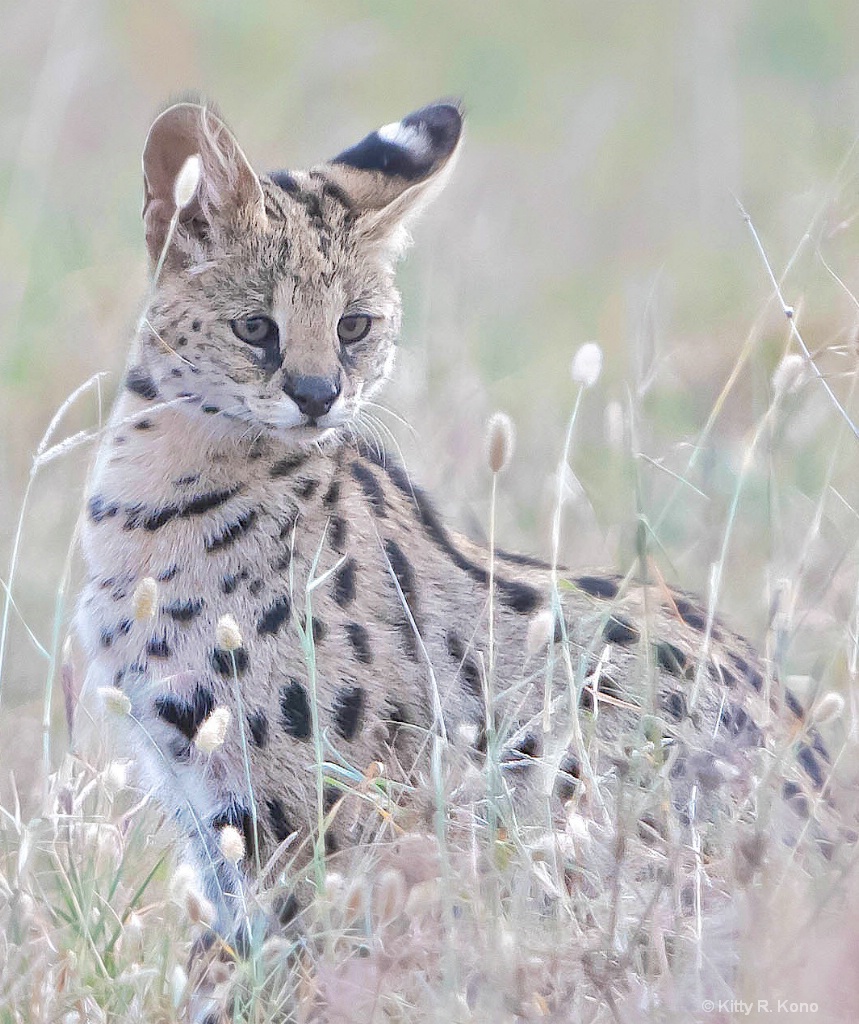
[271, 599]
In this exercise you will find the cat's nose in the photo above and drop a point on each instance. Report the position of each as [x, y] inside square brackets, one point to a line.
[314, 396]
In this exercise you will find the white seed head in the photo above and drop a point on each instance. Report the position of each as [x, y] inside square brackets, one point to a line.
[615, 426]
[115, 700]
[213, 730]
[828, 708]
[115, 777]
[541, 629]
[587, 364]
[144, 602]
[178, 984]
[232, 844]
[500, 439]
[184, 879]
[228, 636]
[187, 180]
[788, 375]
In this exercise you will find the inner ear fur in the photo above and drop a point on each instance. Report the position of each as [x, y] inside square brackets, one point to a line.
[228, 190]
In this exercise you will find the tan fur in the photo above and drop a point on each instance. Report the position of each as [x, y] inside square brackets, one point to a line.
[212, 483]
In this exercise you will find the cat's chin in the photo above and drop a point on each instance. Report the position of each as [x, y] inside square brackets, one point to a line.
[305, 436]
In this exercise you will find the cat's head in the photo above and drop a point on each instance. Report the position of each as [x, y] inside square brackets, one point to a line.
[273, 298]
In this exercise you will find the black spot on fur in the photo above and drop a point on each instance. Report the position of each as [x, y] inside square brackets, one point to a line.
[281, 826]
[258, 724]
[691, 614]
[186, 715]
[373, 490]
[274, 616]
[597, 586]
[672, 659]
[183, 611]
[255, 586]
[231, 532]
[202, 503]
[141, 383]
[154, 519]
[404, 574]
[675, 705]
[143, 425]
[332, 495]
[295, 710]
[810, 765]
[359, 638]
[796, 798]
[195, 325]
[468, 666]
[285, 466]
[619, 630]
[793, 705]
[168, 574]
[330, 796]
[307, 489]
[521, 753]
[232, 580]
[520, 597]
[349, 704]
[158, 648]
[569, 774]
[751, 674]
[344, 583]
[286, 909]
[337, 532]
[100, 508]
[211, 409]
[317, 628]
[223, 661]
[517, 559]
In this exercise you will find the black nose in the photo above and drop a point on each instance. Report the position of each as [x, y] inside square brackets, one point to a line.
[314, 396]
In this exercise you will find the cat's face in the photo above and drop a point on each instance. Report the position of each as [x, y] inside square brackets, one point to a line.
[273, 305]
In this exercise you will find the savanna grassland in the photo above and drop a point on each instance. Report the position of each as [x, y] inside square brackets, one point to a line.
[676, 181]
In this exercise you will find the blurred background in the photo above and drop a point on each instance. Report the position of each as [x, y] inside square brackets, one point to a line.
[596, 200]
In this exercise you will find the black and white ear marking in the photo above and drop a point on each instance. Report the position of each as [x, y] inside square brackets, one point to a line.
[412, 148]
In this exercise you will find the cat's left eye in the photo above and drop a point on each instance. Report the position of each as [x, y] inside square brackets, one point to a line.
[255, 330]
[353, 328]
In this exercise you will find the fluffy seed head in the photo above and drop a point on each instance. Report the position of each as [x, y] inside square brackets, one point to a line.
[228, 636]
[115, 777]
[213, 731]
[541, 629]
[115, 700]
[788, 375]
[184, 879]
[232, 844]
[187, 180]
[144, 602]
[828, 708]
[500, 438]
[587, 364]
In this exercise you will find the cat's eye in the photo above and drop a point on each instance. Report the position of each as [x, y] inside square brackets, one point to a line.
[353, 328]
[255, 330]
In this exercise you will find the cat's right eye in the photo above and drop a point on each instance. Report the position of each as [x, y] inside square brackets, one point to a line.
[255, 330]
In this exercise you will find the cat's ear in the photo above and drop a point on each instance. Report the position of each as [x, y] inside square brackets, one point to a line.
[228, 191]
[390, 175]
